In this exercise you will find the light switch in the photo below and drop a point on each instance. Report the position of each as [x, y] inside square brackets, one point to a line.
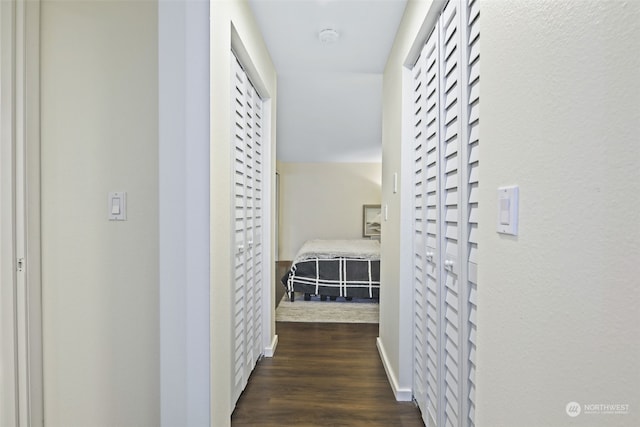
[504, 211]
[117, 207]
[508, 210]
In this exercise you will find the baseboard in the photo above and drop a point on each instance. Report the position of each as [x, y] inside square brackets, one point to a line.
[271, 349]
[401, 394]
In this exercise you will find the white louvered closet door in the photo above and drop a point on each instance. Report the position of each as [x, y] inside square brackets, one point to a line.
[450, 318]
[445, 242]
[426, 246]
[247, 314]
[419, 234]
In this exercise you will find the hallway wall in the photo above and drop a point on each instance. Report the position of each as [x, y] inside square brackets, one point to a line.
[100, 278]
[101, 284]
[557, 305]
[560, 115]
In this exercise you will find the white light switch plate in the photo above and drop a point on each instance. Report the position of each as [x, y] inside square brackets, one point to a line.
[508, 210]
[117, 207]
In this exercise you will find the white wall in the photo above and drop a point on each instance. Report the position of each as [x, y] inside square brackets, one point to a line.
[235, 17]
[8, 276]
[324, 201]
[558, 304]
[184, 206]
[100, 278]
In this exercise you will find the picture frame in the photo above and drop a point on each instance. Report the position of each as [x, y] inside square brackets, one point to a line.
[371, 220]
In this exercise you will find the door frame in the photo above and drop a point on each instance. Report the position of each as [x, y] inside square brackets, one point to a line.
[21, 307]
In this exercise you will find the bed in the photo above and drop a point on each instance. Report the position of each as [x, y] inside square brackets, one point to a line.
[335, 268]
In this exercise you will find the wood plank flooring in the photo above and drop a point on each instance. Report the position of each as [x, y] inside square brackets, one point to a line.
[323, 374]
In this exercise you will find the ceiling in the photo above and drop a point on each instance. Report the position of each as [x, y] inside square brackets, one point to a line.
[329, 95]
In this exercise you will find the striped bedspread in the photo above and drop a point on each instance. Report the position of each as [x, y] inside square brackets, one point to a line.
[338, 268]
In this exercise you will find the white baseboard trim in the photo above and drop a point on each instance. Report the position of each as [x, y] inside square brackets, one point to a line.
[401, 394]
[271, 349]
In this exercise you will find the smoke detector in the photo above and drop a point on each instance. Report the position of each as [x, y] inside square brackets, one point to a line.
[328, 36]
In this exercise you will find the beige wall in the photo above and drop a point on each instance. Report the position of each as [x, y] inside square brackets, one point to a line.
[100, 134]
[557, 305]
[324, 201]
[100, 278]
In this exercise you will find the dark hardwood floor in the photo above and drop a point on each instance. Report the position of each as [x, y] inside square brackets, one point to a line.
[323, 374]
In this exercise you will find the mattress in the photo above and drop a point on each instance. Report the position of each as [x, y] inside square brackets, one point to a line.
[336, 268]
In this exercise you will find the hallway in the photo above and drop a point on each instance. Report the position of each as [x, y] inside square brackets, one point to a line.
[323, 374]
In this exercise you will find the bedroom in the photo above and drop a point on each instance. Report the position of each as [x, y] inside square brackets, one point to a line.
[323, 201]
[329, 138]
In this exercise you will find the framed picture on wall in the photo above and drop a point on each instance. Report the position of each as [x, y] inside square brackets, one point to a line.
[371, 221]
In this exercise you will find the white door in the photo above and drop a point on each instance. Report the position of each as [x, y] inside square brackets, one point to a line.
[446, 142]
[248, 229]
[450, 319]
[426, 216]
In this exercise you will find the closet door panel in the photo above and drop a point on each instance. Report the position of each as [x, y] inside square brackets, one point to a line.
[446, 146]
[258, 229]
[248, 178]
[473, 166]
[433, 219]
[419, 97]
[250, 226]
[240, 193]
[450, 207]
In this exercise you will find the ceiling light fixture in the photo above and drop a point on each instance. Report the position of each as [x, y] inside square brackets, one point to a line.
[328, 36]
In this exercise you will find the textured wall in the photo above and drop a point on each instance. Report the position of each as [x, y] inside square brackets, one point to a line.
[324, 201]
[100, 278]
[557, 305]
